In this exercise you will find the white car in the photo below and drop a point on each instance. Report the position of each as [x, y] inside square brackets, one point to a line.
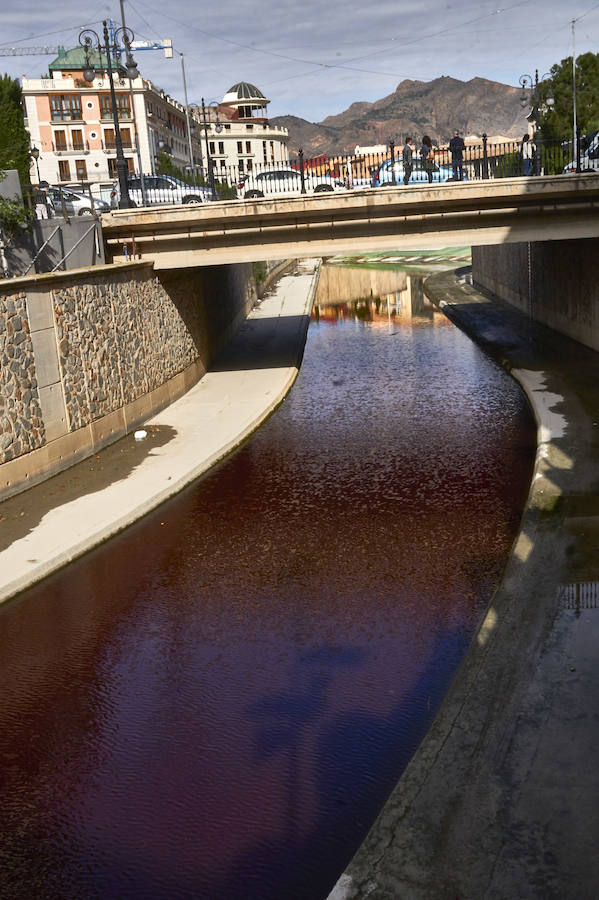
[160, 190]
[284, 182]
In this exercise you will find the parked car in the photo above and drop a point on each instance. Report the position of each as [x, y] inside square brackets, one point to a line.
[589, 154]
[75, 204]
[284, 182]
[386, 174]
[160, 190]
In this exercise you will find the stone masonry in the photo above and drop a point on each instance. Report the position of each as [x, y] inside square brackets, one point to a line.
[21, 425]
[79, 346]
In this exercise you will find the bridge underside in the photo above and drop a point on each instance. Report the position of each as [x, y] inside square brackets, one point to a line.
[414, 218]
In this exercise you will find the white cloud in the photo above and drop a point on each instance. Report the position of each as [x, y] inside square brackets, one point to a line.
[314, 59]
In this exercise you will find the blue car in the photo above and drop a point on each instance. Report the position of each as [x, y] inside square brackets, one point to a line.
[385, 174]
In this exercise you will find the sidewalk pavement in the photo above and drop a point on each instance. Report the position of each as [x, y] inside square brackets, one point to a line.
[47, 526]
[501, 800]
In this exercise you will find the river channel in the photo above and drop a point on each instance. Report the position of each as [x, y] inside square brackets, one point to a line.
[216, 703]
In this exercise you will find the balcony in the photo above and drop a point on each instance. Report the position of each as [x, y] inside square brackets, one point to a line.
[110, 145]
[66, 148]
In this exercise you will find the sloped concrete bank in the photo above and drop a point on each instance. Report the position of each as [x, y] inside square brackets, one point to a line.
[500, 799]
[54, 522]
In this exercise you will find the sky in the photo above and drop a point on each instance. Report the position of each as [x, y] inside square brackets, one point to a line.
[313, 59]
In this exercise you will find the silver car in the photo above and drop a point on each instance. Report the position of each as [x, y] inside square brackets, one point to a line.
[75, 204]
[160, 190]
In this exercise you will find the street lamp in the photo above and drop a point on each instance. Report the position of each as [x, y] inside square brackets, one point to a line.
[527, 84]
[35, 155]
[209, 164]
[90, 40]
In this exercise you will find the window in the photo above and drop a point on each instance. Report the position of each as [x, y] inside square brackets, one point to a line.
[112, 169]
[64, 170]
[250, 165]
[109, 142]
[212, 150]
[221, 148]
[264, 150]
[239, 146]
[248, 146]
[81, 169]
[126, 138]
[65, 107]
[122, 105]
[77, 139]
[60, 140]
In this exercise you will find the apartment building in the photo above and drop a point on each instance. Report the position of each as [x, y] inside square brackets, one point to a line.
[71, 123]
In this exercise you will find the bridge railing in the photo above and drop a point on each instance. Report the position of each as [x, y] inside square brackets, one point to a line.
[321, 175]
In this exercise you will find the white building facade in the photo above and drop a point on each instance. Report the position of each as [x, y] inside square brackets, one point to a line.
[239, 135]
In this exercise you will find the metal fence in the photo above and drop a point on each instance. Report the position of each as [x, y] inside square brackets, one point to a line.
[253, 179]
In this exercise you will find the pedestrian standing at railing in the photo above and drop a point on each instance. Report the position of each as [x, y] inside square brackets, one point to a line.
[41, 201]
[527, 152]
[456, 148]
[407, 158]
[426, 155]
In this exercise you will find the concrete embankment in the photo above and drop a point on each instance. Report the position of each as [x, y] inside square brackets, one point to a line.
[500, 800]
[60, 519]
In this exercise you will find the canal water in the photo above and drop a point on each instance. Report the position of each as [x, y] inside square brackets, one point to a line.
[216, 703]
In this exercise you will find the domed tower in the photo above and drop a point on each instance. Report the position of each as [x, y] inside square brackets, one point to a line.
[246, 102]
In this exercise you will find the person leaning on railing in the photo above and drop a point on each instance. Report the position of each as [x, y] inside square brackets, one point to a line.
[527, 153]
[426, 155]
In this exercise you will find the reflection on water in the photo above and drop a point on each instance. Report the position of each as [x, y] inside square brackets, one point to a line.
[402, 302]
[216, 703]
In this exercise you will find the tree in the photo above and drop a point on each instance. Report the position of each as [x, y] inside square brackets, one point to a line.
[14, 138]
[558, 122]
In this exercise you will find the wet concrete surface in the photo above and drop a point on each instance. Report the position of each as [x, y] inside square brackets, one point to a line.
[500, 801]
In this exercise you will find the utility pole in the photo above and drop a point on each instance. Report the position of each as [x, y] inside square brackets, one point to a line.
[135, 131]
[191, 159]
[576, 154]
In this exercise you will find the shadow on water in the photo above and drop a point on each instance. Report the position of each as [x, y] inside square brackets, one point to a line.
[348, 794]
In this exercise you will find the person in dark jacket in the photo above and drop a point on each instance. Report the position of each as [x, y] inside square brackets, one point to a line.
[426, 155]
[406, 155]
[456, 148]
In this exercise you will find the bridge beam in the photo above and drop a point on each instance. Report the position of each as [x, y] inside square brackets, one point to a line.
[452, 214]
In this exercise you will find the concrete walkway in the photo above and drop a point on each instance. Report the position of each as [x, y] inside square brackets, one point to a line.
[501, 800]
[47, 526]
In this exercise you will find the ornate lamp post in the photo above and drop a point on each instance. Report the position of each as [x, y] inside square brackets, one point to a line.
[35, 155]
[90, 40]
[209, 164]
[527, 84]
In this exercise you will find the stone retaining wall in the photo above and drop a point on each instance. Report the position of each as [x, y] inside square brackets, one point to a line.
[554, 282]
[88, 354]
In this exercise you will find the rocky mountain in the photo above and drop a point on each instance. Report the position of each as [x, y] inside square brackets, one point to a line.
[415, 107]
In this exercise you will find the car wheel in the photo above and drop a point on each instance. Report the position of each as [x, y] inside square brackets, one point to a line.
[253, 195]
[322, 188]
[194, 199]
[86, 211]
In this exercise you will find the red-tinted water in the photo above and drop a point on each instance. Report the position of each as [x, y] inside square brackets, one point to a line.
[217, 706]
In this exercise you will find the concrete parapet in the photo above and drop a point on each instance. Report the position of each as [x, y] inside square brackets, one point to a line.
[86, 355]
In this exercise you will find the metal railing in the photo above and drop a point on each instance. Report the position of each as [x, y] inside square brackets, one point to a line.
[321, 175]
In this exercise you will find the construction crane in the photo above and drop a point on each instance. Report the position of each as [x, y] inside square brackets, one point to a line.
[165, 44]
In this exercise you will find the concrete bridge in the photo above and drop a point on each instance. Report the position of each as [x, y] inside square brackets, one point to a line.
[510, 210]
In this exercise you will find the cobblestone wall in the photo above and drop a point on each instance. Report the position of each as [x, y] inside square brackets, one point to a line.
[109, 336]
[120, 340]
[21, 425]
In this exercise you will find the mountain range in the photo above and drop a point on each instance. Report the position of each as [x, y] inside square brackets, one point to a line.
[415, 107]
